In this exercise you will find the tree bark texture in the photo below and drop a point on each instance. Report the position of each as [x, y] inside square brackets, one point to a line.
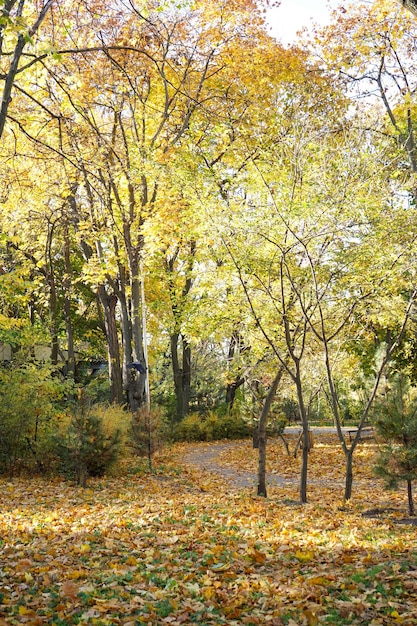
[262, 437]
[181, 369]
[108, 303]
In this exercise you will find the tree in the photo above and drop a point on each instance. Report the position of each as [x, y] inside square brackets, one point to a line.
[117, 143]
[397, 425]
[411, 5]
[370, 50]
[20, 21]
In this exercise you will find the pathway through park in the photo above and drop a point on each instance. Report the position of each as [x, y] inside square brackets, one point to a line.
[208, 457]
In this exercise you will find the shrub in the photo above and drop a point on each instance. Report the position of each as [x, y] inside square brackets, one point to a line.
[148, 431]
[211, 427]
[191, 428]
[396, 424]
[30, 399]
[89, 443]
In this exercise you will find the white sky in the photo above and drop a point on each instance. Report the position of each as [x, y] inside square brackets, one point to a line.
[292, 15]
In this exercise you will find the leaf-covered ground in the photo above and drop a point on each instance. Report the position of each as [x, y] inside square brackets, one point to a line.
[180, 547]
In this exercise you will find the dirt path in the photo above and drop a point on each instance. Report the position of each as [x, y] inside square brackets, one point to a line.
[206, 458]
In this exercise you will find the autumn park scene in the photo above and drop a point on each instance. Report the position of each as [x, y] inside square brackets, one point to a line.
[208, 314]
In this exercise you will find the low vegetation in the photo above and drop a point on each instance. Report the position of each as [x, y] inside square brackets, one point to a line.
[181, 545]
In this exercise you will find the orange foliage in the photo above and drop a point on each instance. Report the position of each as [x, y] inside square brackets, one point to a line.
[185, 546]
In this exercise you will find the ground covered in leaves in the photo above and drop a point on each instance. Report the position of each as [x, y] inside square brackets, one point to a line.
[183, 546]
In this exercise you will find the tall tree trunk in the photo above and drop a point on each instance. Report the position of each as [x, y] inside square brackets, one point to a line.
[177, 374]
[186, 376]
[126, 336]
[67, 304]
[236, 343]
[137, 328]
[53, 300]
[108, 303]
[263, 420]
[181, 369]
[181, 372]
[305, 427]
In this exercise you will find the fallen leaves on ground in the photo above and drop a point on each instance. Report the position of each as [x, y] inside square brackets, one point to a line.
[180, 547]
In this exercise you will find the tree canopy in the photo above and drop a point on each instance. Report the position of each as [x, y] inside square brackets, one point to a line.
[182, 192]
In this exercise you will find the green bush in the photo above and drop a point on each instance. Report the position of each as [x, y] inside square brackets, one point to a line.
[396, 424]
[30, 398]
[212, 427]
[87, 446]
[190, 428]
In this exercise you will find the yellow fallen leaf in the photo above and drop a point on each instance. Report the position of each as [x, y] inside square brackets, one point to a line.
[208, 593]
[25, 611]
[318, 580]
[304, 557]
[395, 615]
[76, 574]
[85, 547]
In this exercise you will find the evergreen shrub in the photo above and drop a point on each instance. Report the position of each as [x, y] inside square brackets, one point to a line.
[89, 443]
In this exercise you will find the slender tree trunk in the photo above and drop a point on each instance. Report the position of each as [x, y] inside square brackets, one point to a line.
[126, 336]
[137, 331]
[181, 369]
[186, 376]
[349, 474]
[236, 343]
[181, 373]
[67, 305]
[137, 328]
[305, 427]
[53, 317]
[411, 509]
[126, 325]
[262, 438]
[177, 373]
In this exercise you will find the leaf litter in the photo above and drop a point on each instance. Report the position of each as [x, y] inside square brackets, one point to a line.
[185, 546]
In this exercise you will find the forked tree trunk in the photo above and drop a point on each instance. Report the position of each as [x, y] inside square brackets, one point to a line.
[306, 441]
[108, 303]
[262, 438]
